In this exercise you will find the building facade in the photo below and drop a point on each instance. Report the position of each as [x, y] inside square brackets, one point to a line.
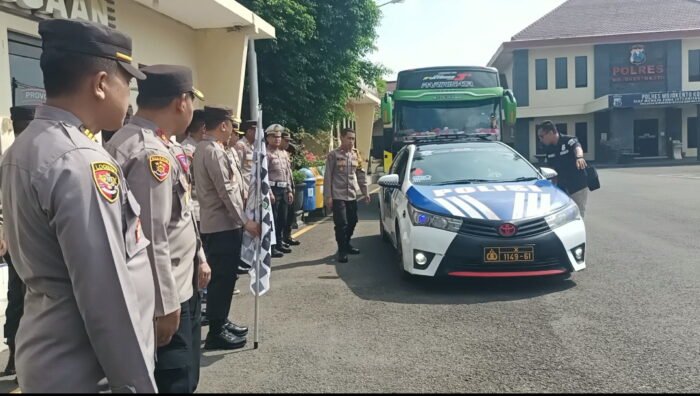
[623, 76]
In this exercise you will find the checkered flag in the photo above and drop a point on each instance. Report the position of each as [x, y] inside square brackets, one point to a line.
[259, 208]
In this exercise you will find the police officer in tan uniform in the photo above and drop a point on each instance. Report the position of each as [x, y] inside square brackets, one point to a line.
[158, 173]
[220, 188]
[245, 148]
[73, 225]
[288, 148]
[344, 175]
[280, 184]
[21, 117]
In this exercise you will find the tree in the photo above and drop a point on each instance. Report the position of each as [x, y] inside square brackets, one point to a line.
[317, 62]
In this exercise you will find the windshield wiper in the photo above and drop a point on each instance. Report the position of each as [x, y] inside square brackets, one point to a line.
[467, 181]
[522, 179]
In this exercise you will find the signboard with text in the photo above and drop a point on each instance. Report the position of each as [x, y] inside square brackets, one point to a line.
[654, 99]
[100, 11]
[640, 67]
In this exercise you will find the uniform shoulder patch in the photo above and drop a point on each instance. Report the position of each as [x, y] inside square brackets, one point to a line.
[160, 167]
[106, 177]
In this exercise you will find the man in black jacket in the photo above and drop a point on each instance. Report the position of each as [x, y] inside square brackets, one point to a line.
[565, 155]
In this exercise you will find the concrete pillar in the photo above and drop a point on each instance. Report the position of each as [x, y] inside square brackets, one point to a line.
[221, 65]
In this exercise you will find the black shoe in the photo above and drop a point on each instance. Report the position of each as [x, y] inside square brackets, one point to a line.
[204, 322]
[352, 250]
[10, 368]
[224, 340]
[238, 331]
[243, 269]
[285, 245]
[292, 242]
[283, 249]
[276, 253]
[342, 257]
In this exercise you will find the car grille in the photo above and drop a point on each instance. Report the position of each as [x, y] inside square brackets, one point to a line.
[489, 229]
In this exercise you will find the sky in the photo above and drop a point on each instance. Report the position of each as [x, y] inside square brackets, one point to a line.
[420, 33]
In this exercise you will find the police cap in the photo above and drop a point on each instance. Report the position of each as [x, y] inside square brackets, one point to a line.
[88, 38]
[164, 81]
[22, 113]
[274, 129]
[219, 113]
[249, 124]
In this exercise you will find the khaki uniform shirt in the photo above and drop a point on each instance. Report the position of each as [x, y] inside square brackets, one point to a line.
[245, 154]
[159, 180]
[190, 145]
[73, 227]
[278, 169]
[344, 175]
[220, 188]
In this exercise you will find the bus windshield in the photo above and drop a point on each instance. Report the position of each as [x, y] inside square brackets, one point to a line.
[419, 119]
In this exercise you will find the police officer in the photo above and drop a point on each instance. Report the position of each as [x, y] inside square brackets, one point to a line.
[565, 155]
[220, 188]
[21, 116]
[245, 148]
[74, 224]
[281, 185]
[291, 213]
[344, 171]
[157, 171]
[194, 133]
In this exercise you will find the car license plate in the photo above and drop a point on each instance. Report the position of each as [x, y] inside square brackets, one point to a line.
[509, 254]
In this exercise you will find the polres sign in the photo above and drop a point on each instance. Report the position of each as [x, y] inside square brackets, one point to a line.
[100, 11]
[654, 99]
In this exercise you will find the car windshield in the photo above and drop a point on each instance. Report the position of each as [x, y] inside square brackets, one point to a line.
[417, 119]
[475, 163]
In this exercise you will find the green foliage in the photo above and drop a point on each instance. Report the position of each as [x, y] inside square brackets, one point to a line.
[307, 75]
[298, 177]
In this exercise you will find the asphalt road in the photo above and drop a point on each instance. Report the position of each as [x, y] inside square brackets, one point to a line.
[629, 323]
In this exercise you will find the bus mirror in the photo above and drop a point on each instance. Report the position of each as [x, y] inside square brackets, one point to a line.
[387, 109]
[509, 107]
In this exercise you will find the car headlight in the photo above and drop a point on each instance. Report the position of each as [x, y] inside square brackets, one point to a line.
[423, 219]
[566, 215]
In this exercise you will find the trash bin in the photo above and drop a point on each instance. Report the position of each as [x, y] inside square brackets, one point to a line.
[319, 187]
[309, 204]
[677, 150]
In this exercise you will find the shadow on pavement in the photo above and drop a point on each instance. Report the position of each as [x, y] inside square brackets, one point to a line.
[326, 260]
[379, 279]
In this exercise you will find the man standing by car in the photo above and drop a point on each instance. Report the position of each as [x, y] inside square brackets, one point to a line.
[565, 155]
[344, 171]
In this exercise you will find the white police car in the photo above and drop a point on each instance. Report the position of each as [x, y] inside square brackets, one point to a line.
[473, 208]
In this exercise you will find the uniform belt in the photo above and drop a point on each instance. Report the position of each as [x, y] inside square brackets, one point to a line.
[279, 184]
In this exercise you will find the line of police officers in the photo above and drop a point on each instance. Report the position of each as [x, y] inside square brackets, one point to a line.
[105, 239]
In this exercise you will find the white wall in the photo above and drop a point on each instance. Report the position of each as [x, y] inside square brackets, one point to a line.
[570, 100]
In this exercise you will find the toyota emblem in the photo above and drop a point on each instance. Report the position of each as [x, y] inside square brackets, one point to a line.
[507, 230]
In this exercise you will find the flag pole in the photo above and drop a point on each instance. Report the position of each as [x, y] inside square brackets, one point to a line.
[257, 113]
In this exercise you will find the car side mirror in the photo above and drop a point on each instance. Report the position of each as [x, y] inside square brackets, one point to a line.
[389, 181]
[548, 173]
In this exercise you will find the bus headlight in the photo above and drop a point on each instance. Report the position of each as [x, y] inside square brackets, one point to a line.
[423, 219]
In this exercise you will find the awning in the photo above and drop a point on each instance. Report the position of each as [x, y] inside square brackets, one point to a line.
[213, 14]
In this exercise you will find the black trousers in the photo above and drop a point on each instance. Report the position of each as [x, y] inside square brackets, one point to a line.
[280, 212]
[177, 367]
[345, 220]
[15, 302]
[291, 219]
[223, 250]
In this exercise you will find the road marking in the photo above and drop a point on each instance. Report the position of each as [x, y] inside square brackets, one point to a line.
[306, 229]
[693, 176]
